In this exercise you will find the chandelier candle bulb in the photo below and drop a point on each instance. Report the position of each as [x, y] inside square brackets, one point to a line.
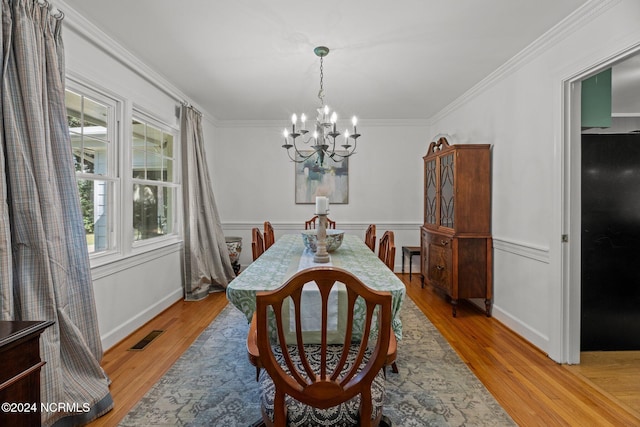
[303, 119]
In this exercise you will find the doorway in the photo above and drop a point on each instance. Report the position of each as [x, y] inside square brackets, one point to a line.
[573, 191]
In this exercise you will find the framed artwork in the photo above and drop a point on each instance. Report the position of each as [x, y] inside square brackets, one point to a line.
[331, 179]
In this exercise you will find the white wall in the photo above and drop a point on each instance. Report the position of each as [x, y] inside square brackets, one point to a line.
[131, 291]
[519, 110]
[253, 181]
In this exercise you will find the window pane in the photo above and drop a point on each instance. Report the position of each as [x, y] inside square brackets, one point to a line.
[138, 134]
[154, 139]
[168, 172]
[152, 211]
[94, 197]
[138, 170]
[94, 155]
[168, 145]
[87, 120]
[95, 114]
[73, 103]
[154, 166]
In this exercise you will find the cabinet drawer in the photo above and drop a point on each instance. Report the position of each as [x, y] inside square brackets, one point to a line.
[439, 261]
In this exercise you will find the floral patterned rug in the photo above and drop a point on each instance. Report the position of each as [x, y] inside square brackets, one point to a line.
[213, 383]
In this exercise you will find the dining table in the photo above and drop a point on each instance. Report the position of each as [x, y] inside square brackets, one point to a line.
[289, 255]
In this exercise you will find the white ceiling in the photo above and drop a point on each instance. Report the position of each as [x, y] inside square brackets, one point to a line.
[254, 60]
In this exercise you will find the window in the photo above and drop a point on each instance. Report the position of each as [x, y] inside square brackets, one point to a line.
[92, 125]
[154, 181]
[128, 176]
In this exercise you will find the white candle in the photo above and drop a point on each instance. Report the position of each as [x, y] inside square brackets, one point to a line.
[322, 205]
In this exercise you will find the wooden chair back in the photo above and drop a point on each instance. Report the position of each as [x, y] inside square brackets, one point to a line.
[269, 235]
[311, 224]
[257, 243]
[370, 237]
[325, 386]
[387, 249]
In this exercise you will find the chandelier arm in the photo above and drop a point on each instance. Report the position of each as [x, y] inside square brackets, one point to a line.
[355, 143]
[298, 161]
[299, 153]
[333, 146]
[349, 153]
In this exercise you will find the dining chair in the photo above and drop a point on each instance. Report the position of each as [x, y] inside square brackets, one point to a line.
[257, 243]
[300, 381]
[387, 253]
[370, 237]
[387, 249]
[311, 224]
[269, 235]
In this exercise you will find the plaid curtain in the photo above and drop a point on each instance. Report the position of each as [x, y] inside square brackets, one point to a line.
[206, 257]
[44, 264]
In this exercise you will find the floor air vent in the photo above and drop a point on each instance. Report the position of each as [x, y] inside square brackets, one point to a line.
[144, 342]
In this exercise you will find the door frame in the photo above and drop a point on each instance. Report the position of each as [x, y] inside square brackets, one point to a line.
[570, 163]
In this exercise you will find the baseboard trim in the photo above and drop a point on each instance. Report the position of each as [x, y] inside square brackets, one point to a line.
[533, 336]
[119, 333]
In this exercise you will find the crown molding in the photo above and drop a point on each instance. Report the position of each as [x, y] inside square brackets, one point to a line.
[85, 29]
[561, 30]
[285, 122]
[346, 226]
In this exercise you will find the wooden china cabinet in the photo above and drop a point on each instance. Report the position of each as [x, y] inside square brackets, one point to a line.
[455, 240]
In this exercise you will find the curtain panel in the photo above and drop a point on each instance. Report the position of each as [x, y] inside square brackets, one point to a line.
[207, 266]
[44, 263]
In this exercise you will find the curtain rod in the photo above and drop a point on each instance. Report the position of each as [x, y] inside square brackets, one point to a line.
[186, 104]
[53, 11]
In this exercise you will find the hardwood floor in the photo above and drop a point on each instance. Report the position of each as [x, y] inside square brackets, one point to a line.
[133, 373]
[532, 388]
[616, 373]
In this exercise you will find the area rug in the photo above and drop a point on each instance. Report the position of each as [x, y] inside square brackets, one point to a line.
[213, 383]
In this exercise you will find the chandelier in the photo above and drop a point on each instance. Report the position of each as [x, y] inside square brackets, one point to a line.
[322, 141]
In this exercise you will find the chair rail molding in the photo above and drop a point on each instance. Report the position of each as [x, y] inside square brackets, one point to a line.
[527, 250]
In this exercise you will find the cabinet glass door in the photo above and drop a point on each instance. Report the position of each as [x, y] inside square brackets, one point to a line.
[430, 192]
[447, 198]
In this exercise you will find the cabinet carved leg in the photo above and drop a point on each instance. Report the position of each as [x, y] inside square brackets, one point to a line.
[454, 307]
[422, 281]
[487, 304]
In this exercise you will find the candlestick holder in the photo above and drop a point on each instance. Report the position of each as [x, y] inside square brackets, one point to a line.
[322, 256]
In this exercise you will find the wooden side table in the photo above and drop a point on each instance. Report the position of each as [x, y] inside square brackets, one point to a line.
[409, 251]
[20, 373]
